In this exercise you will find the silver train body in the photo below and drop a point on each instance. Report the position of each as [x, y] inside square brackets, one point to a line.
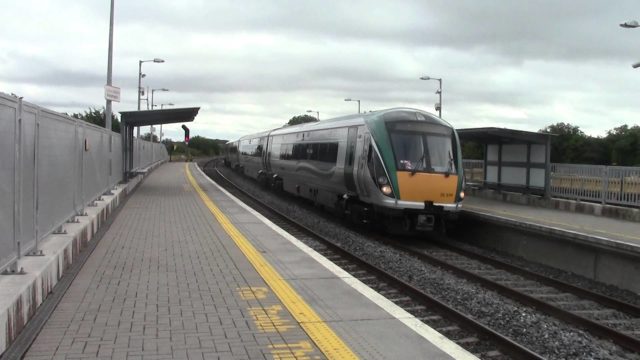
[401, 167]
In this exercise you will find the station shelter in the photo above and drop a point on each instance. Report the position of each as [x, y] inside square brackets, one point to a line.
[514, 160]
[132, 119]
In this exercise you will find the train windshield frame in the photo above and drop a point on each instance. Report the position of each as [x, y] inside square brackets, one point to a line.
[422, 147]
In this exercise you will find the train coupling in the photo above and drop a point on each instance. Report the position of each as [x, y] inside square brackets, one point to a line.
[425, 222]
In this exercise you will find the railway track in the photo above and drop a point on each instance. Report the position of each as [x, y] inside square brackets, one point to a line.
[600, 315]
[460, 328]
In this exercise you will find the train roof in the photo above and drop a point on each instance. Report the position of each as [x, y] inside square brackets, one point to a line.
[369, 118]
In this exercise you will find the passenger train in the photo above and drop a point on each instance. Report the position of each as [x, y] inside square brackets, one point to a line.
[399, 167]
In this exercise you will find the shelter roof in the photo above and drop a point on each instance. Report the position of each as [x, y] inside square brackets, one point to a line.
[494, 135]
[156, 117]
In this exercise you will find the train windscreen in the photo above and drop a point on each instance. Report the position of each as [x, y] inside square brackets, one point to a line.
[422, 147]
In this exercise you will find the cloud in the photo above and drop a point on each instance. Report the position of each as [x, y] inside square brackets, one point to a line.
[252, 65]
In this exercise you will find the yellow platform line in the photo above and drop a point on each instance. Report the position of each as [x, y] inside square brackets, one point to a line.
[320, 333]
[552, 222]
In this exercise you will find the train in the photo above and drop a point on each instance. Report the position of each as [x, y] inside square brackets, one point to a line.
[400, 168]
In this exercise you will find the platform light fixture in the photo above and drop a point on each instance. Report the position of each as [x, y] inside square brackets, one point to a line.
[354, 100]
[317, 113]
[140, 89]
[438, 92]
[631, 24]
[161, 133]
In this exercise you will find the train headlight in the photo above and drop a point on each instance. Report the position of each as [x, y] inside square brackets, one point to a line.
[386, 189]
[382, 180]
[461, 195]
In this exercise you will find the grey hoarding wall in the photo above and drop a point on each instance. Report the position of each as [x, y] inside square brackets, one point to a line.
[51, 167]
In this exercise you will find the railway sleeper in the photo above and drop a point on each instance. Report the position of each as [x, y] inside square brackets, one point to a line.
[445, 329]
[467, 340]
[491, 354]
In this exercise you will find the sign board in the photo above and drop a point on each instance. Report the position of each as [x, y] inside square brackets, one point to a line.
[112, 93]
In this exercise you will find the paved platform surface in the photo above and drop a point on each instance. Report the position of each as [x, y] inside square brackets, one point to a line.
[619, 232]
[170, 281]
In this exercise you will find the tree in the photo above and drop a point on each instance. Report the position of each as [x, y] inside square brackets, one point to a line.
[568, 144]
[147, 137]
[301, 119]
[472, 150]
[96, 116]
[624, 142]
[205, 145]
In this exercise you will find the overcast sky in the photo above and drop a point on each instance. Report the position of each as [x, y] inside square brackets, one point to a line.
[252, 65]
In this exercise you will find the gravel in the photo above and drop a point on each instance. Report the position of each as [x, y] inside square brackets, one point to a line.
[545, 335]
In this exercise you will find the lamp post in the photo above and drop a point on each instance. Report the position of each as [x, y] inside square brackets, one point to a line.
[153, 91]
[152, 106]
[439, 92]
[161, 106]
[354, 100]
[631, 24]
[314, 111]
[107, 109]
[155, 60]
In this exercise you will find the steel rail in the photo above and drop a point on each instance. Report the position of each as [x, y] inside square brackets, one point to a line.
[622, 339]
[506, 345]
[619, 305]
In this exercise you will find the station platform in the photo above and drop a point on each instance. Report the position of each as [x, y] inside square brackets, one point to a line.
[599, 248]
[605, 231]
[186, 271]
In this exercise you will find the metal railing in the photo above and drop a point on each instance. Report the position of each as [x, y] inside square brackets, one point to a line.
[473, 171]
[51, 167]
[617, 185]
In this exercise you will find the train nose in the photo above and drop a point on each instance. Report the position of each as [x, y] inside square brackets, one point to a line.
[422, 187]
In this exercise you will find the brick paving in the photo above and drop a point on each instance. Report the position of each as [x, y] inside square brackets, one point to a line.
[164, 283]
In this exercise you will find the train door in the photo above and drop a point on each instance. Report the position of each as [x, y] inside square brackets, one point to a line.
[363, 144]
[350, 156]
[264, 155]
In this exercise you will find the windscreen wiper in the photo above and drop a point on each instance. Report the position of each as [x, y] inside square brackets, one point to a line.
[415, 168]
[450, 166]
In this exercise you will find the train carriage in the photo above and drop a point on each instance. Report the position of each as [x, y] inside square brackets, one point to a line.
[401, 167]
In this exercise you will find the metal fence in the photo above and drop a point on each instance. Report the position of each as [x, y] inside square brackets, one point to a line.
[51, 167]
[473, 171]
[617, 185]
[606, 184]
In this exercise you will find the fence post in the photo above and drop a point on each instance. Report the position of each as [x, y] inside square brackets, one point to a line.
[17, 178]
[605, 184]
[36, 180]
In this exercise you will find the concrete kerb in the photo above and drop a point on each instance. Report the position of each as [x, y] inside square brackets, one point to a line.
[598, 258]
[582, 207]
[21, 295]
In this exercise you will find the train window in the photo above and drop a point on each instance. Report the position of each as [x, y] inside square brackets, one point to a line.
[258, 151]
[423, 151]
[332, 152]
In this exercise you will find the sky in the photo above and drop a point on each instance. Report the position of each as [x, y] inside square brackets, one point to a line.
[251, 65]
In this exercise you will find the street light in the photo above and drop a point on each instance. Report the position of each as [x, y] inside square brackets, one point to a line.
[314, 111]
[354, 100]
[636, 65]
[631, 24]
[161, 106]
[153, 91]
[439, 92]
[155, 60]
[152, 106]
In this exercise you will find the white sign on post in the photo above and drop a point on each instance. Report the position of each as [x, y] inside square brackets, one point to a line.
[112, 93]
